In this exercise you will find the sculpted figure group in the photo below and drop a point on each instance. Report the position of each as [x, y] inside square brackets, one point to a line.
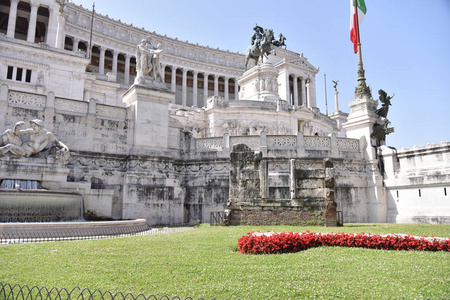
[261, 44]
[148, 61]
[30, 141]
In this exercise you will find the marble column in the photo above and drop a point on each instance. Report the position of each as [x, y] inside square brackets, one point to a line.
[205, 87]
[184, 87]
[194, 89]
[308, 93]
[114, 63]
[32, 22]
[336, 101]
[312, 93]
[12, 18]
[51, 32]
[304, 103]
[227, 97]
[127, 69]
[75, 44]
[236, 89]
[296, 102]
[101, 65]
[216, 85]
[163, 73]
[60, 32]
[173, 83]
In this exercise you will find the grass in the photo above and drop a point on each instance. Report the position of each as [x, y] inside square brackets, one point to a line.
[205, 263]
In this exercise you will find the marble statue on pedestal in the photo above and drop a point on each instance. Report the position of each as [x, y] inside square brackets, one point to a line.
[261, 44]
[148, 65]
[37, 140]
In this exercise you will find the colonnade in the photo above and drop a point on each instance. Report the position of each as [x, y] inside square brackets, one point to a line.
[40, 21]
[185, 83]
[299, 90]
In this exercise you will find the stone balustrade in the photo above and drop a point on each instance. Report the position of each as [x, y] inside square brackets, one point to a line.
[332, 145]
[67, 106]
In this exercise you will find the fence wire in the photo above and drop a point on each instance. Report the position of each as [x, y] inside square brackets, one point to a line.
[12, 237]
[24, 292]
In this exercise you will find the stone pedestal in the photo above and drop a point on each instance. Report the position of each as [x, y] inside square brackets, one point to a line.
[359, 125]
[360, 121]
[149, 111]
[260, 83]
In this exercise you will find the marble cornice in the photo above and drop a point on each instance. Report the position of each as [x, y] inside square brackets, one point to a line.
[39, 57]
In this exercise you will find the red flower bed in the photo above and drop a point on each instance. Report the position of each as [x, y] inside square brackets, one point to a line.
[286, 242]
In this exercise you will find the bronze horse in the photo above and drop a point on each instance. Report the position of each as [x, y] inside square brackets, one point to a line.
[260, 48]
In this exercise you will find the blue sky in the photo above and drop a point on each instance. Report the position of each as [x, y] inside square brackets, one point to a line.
[405, 48]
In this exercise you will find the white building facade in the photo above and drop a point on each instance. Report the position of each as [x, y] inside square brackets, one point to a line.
[167, 159]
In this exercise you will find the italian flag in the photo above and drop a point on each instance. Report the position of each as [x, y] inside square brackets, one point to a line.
[355, 20]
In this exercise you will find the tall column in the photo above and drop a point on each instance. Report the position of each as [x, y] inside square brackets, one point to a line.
[60, 32]
[101, 66]
[32, 23]
[216, 85]
[127, 69]
[51, 32]
[312, 92]
[75, 44]
[173, 83]
[308, 93]
[304, 102]
[205, 87]
[115, 59]
[184, 87]
[336, 101]
[12, 18]
[194, 91]
[227, 97]
[295, 78]
[236, 89]
[163, 71]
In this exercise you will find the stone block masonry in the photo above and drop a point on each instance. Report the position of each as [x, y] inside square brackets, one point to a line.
[311, 185]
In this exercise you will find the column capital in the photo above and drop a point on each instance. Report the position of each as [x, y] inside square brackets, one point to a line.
[34, 4]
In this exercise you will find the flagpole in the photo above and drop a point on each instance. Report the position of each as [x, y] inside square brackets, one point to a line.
[362, 87]
[326, 100]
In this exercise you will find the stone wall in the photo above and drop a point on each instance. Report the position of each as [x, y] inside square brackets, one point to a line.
[263, 193]
[417, 181]
[193, 177]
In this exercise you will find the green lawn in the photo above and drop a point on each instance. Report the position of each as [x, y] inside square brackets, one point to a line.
[204, 262]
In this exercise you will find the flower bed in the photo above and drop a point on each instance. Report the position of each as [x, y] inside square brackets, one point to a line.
[287, 242]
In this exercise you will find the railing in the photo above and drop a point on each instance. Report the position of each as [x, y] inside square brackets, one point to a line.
[11, 237]
[217, 218]
[255, 142]
[24, 292]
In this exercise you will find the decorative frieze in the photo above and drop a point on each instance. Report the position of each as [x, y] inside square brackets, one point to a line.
[33, 100]
[317, 142]
[113, 112]
[343, 143]
[71, 106]
[281, 141]
[251, 141]
[209, 144]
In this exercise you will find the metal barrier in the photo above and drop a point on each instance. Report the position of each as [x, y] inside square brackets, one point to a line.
[23, 292]
[217, 218]
[11, 237]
